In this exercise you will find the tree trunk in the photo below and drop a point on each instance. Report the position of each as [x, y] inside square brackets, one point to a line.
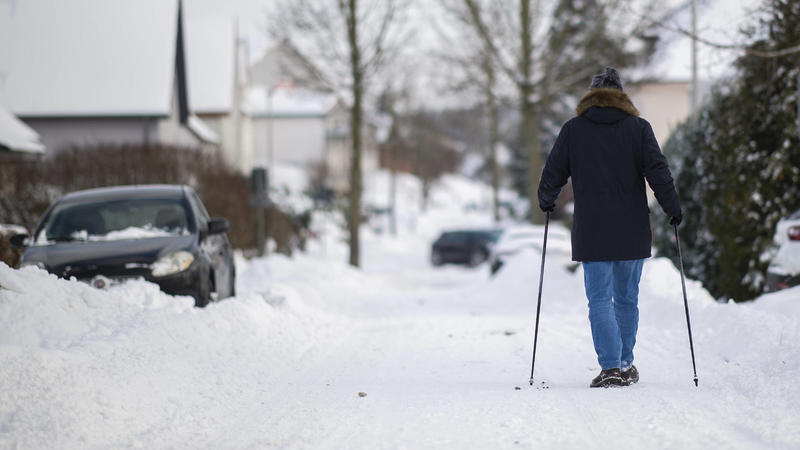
[392, 194]
[354, 221]
[530, 119]
[426, 189]
[493, 141]
[530, 134]
[494, 137]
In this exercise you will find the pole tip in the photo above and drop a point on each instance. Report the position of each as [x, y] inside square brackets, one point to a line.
[695, 381]
[531, 382]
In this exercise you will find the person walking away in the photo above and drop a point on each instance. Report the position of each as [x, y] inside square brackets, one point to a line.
[609, 152]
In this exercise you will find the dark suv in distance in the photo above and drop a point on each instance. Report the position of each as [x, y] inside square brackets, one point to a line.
[161, 233]
[470, 247]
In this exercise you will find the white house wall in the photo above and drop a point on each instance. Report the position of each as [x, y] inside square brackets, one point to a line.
[339, 156]
[237, 152]
[59, 133]
[246, 155]
[664, 105]
[173, 133]
[170, 130]
[299, 141]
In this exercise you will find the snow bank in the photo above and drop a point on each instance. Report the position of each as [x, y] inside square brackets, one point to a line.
[747, 355]
[80, 367]
[438, 351]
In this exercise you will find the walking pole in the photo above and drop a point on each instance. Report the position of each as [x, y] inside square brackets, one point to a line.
[539, 302]
[685, 304]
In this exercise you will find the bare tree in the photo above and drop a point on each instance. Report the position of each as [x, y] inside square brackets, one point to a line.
[418, 144]
[539, 49]
[476, 71]
[350, 40]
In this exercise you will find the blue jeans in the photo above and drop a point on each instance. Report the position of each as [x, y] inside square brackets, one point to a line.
[612, 288]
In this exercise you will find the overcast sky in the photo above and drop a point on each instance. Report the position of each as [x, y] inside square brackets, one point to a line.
[718, 21]
[251, 15]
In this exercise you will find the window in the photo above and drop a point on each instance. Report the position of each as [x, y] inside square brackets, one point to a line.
[115, 220]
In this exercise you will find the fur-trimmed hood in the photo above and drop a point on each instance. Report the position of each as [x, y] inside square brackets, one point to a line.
[605, 98]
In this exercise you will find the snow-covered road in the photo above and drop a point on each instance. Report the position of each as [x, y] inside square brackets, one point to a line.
[439, 353]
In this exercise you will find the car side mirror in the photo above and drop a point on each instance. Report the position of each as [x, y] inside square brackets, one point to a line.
[18, 241]
[218, 225]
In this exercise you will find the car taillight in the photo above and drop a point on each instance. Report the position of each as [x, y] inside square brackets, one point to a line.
[794, 233]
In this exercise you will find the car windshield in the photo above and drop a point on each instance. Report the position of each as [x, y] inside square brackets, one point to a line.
[453, 236]
[114, 220]
[462, 236]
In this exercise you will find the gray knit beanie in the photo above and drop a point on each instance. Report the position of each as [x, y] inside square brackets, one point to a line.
[608, 79]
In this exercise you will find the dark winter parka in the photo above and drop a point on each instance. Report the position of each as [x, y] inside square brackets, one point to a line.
[609, 151]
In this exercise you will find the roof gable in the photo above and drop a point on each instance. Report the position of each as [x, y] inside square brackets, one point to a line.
[281, 64]
[88, 57]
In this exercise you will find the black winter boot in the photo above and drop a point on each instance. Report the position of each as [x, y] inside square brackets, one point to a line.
[607, 378]
[630, 376]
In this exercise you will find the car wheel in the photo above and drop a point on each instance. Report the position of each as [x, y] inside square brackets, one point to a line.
[232, 290]
[203, 295]
[476, 257]
[496, 265]
[436, 259]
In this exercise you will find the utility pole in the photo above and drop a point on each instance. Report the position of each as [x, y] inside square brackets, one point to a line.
[259, 200]
[237, 97]
[695, 93]
[270, 170]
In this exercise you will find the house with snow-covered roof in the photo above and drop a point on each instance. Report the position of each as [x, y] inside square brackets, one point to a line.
[298, 119]
[88, 72]
[663, 90]
[282, 64]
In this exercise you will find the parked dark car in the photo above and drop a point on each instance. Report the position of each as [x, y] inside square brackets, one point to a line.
[470, 247]
[161, 233]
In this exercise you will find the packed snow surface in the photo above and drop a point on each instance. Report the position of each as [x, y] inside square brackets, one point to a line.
[315, 354]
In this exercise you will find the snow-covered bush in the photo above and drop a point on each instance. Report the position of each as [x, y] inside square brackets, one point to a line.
[737, 164]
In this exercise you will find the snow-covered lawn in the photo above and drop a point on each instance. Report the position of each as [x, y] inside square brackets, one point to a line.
[439, 354]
